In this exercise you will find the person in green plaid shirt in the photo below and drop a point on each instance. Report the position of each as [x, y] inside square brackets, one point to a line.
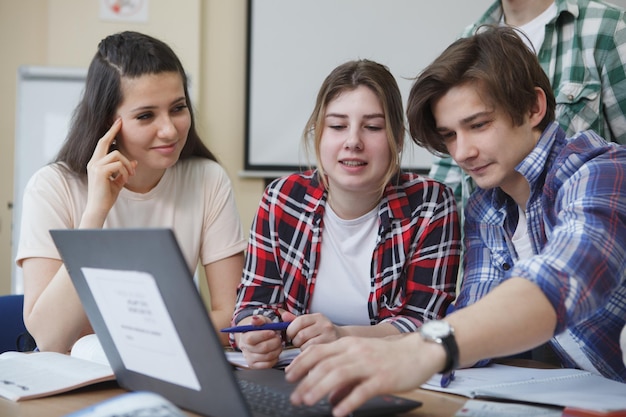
[581, 45]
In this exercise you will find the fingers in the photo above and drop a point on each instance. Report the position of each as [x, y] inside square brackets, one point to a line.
[311, 329]
[262, 361]
[353, 397]
[255, 320]
[261, 348]
[297, 324]
[111, 165]
[327, 371]
[259, 320]
[120, 171]
[301, 365]
[104, 144]
[354, 369]
[260, 340]
[287, 316]
[315, 357]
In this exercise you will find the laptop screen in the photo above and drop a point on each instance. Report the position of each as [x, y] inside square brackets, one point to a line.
[141, 301]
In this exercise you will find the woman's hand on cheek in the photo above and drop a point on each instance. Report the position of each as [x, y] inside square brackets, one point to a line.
[107, 173]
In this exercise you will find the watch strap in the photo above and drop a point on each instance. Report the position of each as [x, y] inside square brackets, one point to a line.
[452, 353]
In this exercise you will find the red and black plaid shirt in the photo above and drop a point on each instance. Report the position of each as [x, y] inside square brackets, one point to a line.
[414, 264]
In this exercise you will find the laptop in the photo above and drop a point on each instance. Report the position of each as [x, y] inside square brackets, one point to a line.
[141, 300]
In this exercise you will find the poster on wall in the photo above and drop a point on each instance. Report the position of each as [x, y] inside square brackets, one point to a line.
[124, 10]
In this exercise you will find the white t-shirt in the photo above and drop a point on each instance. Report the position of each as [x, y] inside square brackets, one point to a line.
[521, 240]
[343, 281]
[194, 198]
[535, 30]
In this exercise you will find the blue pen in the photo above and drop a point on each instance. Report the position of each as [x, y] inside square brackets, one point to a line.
[446, 379]
[282, 325]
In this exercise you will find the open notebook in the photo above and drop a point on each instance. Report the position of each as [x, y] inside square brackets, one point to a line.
[570, 388]
[140, 298]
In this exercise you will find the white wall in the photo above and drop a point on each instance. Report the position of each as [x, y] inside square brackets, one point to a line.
[208, 35]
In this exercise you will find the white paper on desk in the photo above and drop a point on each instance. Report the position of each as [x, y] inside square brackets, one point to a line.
[142, 329]
[39, 374]
[558, 387]
[286, 356]
[479, 408]
[468, 380]
[88, 347]
[138, 403]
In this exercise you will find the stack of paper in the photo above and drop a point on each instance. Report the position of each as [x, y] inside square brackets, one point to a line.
[236, 357]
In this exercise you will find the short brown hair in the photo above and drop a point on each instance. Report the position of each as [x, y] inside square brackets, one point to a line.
[495, 58]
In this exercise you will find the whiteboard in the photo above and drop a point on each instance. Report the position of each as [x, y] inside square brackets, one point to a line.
[46, 98]
[294, 44]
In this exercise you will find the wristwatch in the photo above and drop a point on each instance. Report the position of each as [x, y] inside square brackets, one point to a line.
[440, 331]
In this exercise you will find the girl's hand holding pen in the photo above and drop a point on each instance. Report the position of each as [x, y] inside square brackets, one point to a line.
[310, 329]
[107, 173]
[281, 326]
[260, 348]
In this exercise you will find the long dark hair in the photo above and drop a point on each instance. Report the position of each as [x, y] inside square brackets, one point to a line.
[125, 54]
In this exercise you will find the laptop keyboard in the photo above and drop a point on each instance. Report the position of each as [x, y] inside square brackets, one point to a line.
[264, 400]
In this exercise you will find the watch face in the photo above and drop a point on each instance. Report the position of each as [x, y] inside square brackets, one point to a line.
[440, 331]
[436, 328]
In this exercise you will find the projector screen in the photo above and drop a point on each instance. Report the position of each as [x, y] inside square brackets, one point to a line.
[46, 98]
[294, 44]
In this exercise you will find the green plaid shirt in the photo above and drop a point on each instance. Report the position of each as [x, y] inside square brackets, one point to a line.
[584, 55]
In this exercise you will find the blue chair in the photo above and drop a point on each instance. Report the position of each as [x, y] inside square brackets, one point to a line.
[12, 327]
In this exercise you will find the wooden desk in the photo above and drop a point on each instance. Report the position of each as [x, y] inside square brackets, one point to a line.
[434, 404]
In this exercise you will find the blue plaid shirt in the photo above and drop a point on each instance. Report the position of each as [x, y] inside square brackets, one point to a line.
[576, 218]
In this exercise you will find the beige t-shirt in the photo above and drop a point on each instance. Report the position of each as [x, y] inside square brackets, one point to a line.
[194, 198]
